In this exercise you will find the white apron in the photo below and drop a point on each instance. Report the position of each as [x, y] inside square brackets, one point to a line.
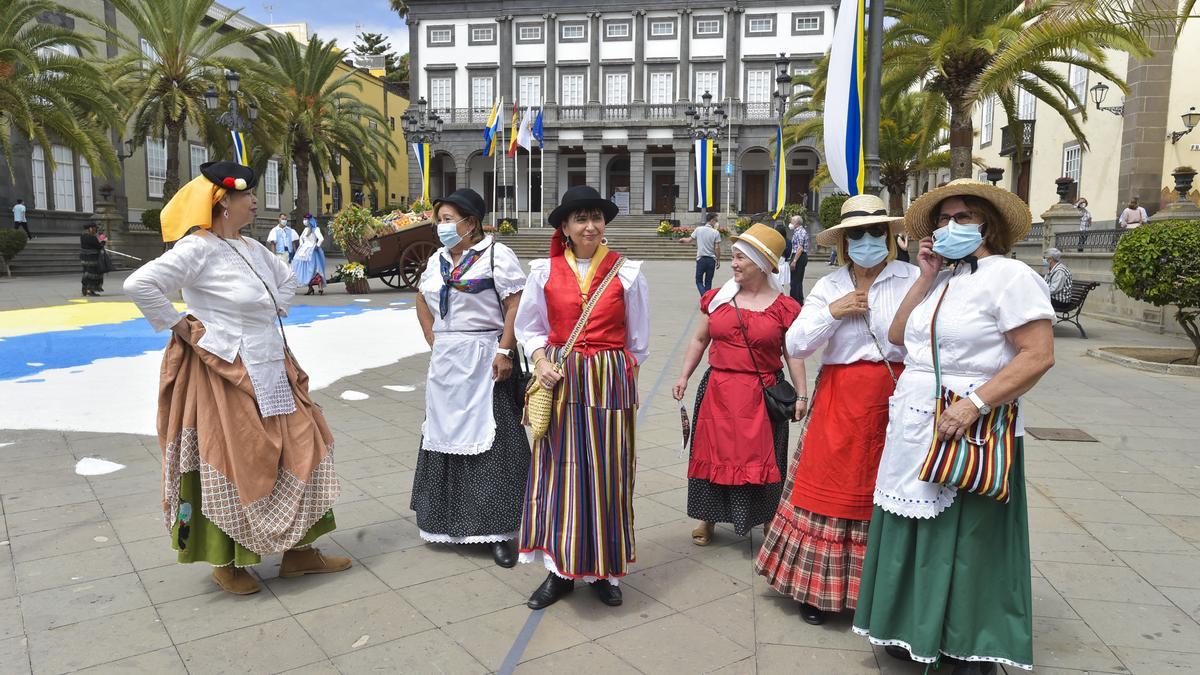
[458, 399]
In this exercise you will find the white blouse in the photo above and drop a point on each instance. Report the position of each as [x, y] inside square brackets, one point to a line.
[533, 326]
[473, 311]
[847, 340]
[978, 310]
[237, 313]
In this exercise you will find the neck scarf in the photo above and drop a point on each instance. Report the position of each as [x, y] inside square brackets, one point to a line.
[731, 287]
[965, 260]
[453, 278]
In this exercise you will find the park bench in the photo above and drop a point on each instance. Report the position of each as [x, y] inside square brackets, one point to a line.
[1070, 311]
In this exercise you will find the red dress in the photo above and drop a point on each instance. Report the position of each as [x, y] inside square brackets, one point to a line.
[733, 442]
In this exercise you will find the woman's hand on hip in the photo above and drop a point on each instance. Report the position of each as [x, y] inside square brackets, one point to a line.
[680, 388]
[501, 368]
[801, 410]
[957, 418]
[547, 374]
[853, 303]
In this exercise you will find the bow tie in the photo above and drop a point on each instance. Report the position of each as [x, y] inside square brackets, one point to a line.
[969, 259]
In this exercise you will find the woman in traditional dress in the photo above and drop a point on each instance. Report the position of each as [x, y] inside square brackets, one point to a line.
[90, 247]
[469, 485]
[738, 455]
[814, 548]
[247, 456]
[946, 571]
[578, 516]
[309, 264]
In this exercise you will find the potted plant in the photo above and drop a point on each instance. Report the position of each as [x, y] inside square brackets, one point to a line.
[742, 224]
[1184, 175]
[354, 275]
[11, 243]
[506, 227]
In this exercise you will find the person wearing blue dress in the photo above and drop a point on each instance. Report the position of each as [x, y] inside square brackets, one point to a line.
[309, 263]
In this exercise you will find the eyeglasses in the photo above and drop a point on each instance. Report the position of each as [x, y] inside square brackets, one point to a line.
[856, 233]
[960, 217]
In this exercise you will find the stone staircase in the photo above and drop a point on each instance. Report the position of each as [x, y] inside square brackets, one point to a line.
[632, 236]
[52, 255]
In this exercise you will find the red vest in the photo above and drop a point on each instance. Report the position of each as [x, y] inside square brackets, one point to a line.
[605, 328]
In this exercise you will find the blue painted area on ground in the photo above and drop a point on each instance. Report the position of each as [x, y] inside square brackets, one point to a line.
[81, 346]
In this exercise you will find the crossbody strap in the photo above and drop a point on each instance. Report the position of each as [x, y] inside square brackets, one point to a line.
[746, 338]
[265, 286]
[937, 365]
[587, 311]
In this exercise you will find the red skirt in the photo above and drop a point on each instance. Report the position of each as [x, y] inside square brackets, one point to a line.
[734, 442]
[835, 476]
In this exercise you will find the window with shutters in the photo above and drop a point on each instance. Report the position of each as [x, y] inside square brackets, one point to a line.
[482, 97]
[572, 89]
[708, 81]
[197, 154]
[1026, 105]
[86, 196]
[1078, 78]
[156, 166]
[662, 87]
[988, 121]
[64, 178]
[271, 184]
[1073, 163]
[759, 85]
[616, 88]
[439, 94]
[38, 173]
[529, 90]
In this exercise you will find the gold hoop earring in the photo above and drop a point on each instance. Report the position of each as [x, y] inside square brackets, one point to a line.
[604, 240]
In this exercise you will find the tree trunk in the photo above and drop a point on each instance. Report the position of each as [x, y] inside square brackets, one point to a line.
[171, 184]
[962, 137]
[301, 159]
[895, 201]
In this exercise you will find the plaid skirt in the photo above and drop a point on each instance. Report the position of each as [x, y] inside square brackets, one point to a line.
[817, 560]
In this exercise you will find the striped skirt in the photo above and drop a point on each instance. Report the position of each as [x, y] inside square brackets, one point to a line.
[578, 513]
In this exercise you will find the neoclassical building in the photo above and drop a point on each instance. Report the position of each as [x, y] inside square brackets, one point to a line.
[616, 85]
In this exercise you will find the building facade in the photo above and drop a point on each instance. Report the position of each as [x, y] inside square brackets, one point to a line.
[61, 194]
[1130, 149]
[615, 85]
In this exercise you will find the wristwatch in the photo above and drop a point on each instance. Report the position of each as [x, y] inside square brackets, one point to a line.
[983, 407]
[501, 351]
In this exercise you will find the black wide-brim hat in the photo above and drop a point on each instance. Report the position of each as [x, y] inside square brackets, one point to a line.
[582, 197]
[466, 200]
[230, 175]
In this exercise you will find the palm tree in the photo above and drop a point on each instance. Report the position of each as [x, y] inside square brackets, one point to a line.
[180, 54]
[967, 51]
[48, 95]
[322, 120]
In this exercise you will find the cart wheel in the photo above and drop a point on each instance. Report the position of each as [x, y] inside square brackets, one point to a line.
[412, 262]
[392, 277]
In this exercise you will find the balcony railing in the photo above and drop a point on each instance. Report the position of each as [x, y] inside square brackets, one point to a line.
[634, 113]
[1088, 240]
[1009, 137]
[1036, 232]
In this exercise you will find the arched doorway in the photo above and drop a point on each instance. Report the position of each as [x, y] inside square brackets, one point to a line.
[616, 181]
[802, 166]
[443, 175]
[756, 180]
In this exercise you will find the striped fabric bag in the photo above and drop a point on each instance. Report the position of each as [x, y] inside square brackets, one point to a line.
[980, 461]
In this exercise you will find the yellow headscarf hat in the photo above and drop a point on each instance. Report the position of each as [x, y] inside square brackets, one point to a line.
[192, 205]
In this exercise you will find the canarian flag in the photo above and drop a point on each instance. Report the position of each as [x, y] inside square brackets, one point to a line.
[491, 132]
[512, 142]
[240, 154]
[844, 100]
[525, 135]
[704, 172]
[779, 188]
[421, 152]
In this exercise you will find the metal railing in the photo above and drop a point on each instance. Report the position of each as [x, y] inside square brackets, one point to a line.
[1088, 240]
[1009, 139]
[645, 113]
[1036, 232]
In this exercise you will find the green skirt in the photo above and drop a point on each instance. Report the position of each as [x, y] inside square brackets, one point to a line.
[957, 584]
[205, 542]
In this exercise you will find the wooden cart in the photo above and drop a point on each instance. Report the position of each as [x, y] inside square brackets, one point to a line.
[398, 259]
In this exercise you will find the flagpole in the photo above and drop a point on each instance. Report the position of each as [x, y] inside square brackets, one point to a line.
[542, 167]
[529, 182]
[499, 111]
[504, 168]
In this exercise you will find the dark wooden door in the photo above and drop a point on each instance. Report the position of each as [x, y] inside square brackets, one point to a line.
[664, 192]
[449, 183]
[756, 193]
[1022, 186]
[489, 180]
[576, 178]
[797, 187]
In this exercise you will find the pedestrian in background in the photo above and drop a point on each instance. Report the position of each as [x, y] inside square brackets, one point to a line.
[902, 247]
[1133, 216]
[708, 251]
[799, 258]
[20, 219]
[815, 546]
[309, 263]
[1085, 221]
[738, 453]
[1058, 278]
[90, 248]
[282, 239]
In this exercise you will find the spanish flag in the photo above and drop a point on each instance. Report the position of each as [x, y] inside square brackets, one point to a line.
[512, 143]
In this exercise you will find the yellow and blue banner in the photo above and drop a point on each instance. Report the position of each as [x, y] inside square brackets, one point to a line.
[491, 132]
[704, 172]
[844, 99]
[779, 188]
[240, 154]
[421, 152]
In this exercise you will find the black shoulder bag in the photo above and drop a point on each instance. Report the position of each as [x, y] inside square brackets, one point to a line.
[780, 398]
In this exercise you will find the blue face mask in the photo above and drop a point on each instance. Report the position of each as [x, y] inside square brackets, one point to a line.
[956, 240]
[868, 251]
[448, 233]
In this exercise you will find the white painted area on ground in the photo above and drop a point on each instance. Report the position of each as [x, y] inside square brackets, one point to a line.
[5, 445]
[362, 299]
[402, 388]
[34, 364]
[94, 466]
[351, 395]
[328, 351]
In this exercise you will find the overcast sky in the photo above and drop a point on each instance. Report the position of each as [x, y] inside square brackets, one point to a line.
[372, 16]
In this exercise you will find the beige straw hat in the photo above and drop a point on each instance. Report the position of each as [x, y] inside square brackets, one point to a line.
[766, 241]
[920, 221]
[859, 211]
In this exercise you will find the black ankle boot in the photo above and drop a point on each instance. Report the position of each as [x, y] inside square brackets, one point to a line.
[609, 593]
[811, 615]
[503, 554]
[551, 591]
[897, 652]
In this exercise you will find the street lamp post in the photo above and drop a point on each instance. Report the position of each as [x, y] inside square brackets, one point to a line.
[782, 80]
[421, 126]
[231, 119]
[705, 121]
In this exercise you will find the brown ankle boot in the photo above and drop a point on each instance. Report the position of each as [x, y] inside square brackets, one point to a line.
[300, 561]
[235, 580]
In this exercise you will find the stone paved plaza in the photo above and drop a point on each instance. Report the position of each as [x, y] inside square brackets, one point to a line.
[87, 578]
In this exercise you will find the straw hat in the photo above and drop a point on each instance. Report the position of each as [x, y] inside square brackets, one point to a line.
[765, 240]
[920, 219]
[859, 211]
